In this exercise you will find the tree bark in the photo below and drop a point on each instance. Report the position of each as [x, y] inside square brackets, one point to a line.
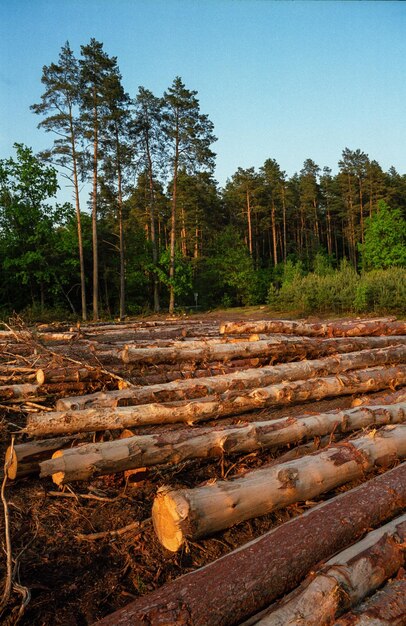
[181, 445]
[94, 210]
[229, 403]
[67, 374]
[278, 348]
[381, 398]
[348, 328]
[230, 589]
[386, 607]
[192, 513]
[246, 379]
[24, 390]
[344, 580]
[24, 458]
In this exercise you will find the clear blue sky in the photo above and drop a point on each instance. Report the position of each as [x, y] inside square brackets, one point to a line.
[286, 80]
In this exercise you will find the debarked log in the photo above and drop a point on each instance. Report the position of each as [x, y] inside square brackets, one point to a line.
[181, 445]
[246, 379]
[284, 348]
[344, 580]
[345, 328]
[23, 459]
[180, 514]
[387, 607]
[228, 403]
[250, 578]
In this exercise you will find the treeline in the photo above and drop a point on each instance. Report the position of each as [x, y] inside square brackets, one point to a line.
[157, 230]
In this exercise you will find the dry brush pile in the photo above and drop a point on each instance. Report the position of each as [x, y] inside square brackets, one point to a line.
[291, 434]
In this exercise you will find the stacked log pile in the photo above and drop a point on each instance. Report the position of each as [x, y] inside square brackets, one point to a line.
[208, 392]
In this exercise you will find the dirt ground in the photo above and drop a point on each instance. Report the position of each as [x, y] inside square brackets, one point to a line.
[74, 580]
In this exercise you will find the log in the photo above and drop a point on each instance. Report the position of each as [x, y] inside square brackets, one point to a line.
[177, 446]
[381, 398]
[228, 403]
[24, 458]
[247, 379]
[286, 347]
[12, 392]
[349, 328]
[180, 514]
[386, 607]
[344, 580]
[67, 374]
[248, 579]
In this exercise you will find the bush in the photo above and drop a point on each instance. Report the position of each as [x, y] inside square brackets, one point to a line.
[342, 291]
[382, 291]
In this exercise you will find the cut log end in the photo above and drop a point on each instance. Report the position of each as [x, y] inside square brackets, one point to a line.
[168, 511]
[11, 462]
[40, 377]
[58, 477]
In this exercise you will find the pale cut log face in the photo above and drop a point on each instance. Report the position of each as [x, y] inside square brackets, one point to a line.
[168, 512]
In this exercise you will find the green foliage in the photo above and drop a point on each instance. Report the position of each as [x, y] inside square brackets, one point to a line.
[342, 291]
[31, 230]
[182, 282]
[228, 275]
[322, 264]
[385, 239]
[381, 291]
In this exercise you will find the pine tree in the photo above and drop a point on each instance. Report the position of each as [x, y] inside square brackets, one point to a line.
[150, 149]
[95, 69]
[189, 135]
[59, 103]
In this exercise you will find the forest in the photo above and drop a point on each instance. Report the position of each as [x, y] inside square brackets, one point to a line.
[149, 228]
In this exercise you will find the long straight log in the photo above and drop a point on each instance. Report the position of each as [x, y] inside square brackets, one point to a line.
[192, 513]
[67, 374]
[348, 328]
[247, 379]
[11, 392]
[177, 446]
[386, 607]
[23, 459]
[381, 398]
[228, 403]
[344, 580]
[241, 583]
[285, 347]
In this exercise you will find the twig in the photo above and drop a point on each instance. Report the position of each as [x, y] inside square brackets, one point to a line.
[86, 496]
[9, 562]
[114, 533]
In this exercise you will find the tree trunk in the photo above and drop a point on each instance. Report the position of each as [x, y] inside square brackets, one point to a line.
[239, 380]
[386, 607]
[178, 446]
[277, 348]
[94, 213]
[24, 458]
[154, 241]
[173, 224]
[273, 224]
[192, 513]
[230, 589]
[120, 228]
[249, 222]
[344, 580]
[229, 403]
[78, 217]
[346, 328]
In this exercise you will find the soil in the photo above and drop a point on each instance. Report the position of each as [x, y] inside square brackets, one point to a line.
[74, 581]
